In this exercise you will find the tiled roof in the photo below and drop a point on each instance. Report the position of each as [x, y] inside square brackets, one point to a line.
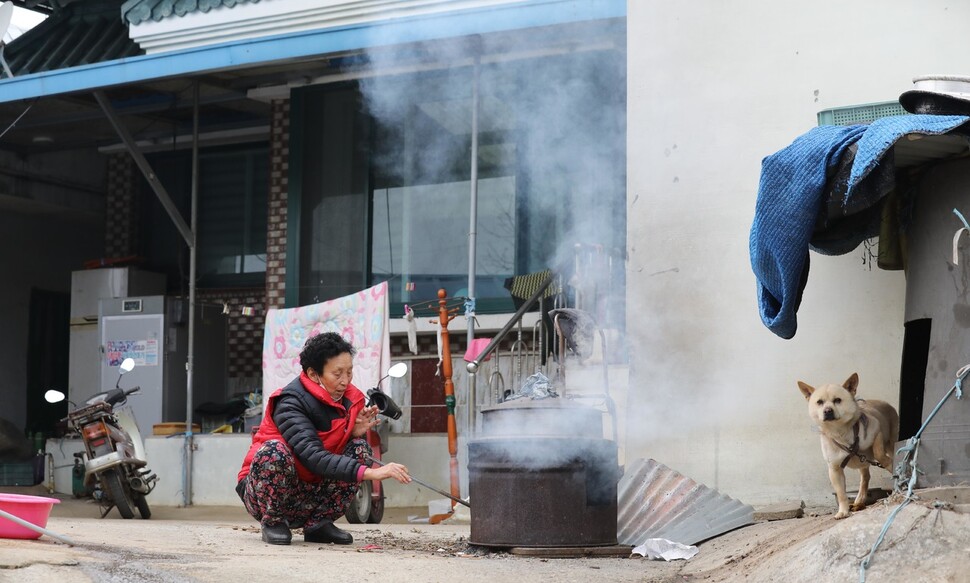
[138, 11]
[81, 33]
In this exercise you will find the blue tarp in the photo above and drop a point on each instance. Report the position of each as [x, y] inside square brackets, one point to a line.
[790, 198]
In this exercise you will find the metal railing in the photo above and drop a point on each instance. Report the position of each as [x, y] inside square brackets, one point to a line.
[520, 351]
[540, 354]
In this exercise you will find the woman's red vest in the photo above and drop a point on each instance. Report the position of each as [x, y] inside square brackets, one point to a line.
[334, 440]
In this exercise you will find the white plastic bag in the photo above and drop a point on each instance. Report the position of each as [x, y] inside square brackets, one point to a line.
[661, 548]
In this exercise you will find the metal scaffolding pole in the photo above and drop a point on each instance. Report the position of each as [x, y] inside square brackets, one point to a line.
[473, 239]
[188, 234]
[189, 368]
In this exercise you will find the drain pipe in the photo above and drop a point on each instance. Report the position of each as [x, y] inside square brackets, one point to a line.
[189, 369]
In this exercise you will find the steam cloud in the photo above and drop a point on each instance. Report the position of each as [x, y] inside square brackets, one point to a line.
[552, 150]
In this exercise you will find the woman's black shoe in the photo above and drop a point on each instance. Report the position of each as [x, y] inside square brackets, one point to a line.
[276, 534]
[327, 532]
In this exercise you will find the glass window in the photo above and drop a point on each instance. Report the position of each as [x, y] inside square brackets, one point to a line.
[333, 205]
[232, 206]
[233, 187]
[391, 156]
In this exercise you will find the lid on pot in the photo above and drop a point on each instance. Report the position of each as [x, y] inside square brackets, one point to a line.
[938, 94]
[542, 417]
[554, 403]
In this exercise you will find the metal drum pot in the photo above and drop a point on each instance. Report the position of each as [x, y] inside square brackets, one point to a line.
[551, 485]
[545, 417]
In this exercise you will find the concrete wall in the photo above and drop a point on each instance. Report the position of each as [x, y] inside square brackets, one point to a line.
[218, 458]
[939, 290]
[54, 183]
[713, 88]
[215, 463]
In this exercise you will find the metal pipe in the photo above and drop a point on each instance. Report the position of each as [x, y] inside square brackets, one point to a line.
[426, 485]
[473, 240]
[189, 363]
[41, 530]
[146, 169]
[473, 365]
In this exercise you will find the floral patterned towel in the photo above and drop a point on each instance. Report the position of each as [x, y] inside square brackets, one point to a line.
[361, 318]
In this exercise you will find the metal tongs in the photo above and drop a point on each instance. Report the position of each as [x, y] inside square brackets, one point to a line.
[426, 485]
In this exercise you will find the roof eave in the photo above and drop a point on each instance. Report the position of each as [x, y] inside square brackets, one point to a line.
[302, 46]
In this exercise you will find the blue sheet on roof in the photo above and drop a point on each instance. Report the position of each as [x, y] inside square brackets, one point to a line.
[790, 197]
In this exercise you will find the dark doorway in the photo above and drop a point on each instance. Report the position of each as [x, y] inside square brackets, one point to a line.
[912, 376]
[47, 357]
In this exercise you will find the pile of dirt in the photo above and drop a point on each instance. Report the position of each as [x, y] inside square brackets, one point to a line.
[925, 542]
[419, 542]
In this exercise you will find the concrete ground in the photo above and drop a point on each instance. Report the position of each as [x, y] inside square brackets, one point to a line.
[219, 544]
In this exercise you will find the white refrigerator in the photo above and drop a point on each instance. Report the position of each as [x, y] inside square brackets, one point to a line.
[153, 330]
[88, 288]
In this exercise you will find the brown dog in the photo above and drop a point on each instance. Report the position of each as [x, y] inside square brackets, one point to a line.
[855, 433]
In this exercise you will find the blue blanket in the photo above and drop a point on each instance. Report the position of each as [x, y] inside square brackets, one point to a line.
[790, 197]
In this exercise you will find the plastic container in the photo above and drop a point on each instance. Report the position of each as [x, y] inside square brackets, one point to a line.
[859, 114]
[33, 509]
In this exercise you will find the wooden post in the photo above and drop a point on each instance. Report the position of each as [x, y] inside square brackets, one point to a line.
[444, 317]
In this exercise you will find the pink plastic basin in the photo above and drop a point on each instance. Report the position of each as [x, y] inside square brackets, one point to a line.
[33, 509]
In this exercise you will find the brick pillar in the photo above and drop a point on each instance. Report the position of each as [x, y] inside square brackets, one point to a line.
[121, 208]
[279, 153]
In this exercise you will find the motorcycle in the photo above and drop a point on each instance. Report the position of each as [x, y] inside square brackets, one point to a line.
[114, 455]
[368, 504]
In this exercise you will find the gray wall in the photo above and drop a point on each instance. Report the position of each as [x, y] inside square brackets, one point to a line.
[714, 87]
[939, 290]
[50, 223]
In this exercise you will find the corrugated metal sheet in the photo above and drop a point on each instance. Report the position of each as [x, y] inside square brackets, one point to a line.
[657, 502]
[78, 34]
[138, 11]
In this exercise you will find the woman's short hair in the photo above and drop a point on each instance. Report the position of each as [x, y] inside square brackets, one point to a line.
[321, 348]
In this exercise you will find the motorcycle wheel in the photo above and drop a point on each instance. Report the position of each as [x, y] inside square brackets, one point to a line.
[119, 492]
[376, 510]
[142, 503]
[359, 509]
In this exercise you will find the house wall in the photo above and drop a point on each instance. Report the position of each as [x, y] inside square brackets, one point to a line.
[939, 290]
[50, 209]
[55, 183]
[244, 330]
[121, 207]
[279, 171]
[41, 252]
[713, 88]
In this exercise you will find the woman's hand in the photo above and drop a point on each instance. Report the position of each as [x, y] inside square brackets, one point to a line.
[390, 470]
[366, 419]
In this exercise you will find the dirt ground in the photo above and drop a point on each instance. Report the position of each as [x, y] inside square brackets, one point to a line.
[214, 544]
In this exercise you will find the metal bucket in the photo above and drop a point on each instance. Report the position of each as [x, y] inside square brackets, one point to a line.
[551, 485]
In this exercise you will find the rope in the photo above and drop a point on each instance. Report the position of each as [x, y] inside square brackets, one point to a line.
[14, 123]
[430, 307]
[960, 215]
[956, 236]
[911, 450]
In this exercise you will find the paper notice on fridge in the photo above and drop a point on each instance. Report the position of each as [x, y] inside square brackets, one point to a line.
[143, 352]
